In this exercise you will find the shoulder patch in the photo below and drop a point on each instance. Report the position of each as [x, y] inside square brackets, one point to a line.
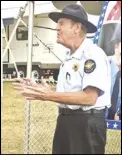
[89, 66]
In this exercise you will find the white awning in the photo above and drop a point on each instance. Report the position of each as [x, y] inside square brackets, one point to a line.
[10, 9]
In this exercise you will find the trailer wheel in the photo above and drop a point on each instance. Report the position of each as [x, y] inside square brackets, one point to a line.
[36, 73]
[22, 72]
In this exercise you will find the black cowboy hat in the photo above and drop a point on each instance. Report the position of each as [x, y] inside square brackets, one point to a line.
[75, 12]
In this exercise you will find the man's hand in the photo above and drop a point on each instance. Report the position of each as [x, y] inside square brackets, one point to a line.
[31, 90]
[34, 93]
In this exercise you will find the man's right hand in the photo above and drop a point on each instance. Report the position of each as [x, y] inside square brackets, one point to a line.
[21, 83]
[25, 82]
[31, 89]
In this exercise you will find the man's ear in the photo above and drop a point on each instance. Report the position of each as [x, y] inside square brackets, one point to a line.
[77, 28]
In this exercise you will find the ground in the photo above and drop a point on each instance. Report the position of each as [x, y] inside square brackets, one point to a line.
[42, 118]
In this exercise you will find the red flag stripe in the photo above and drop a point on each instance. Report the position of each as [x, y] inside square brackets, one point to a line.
[115, 12]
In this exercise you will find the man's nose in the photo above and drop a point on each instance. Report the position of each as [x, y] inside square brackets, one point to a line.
[57, 27]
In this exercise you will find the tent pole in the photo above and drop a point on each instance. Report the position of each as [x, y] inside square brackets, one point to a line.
[2, 28]
[29, 70]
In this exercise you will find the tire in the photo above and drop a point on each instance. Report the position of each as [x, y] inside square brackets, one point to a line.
[22, 71]
[36, 72]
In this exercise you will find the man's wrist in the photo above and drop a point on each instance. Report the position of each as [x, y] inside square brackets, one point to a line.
[49, 95]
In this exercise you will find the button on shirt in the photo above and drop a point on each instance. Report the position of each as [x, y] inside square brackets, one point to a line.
[73, 78]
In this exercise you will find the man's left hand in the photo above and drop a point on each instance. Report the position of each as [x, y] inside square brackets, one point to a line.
[33, 93]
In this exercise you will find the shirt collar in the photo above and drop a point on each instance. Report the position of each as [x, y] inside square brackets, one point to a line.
[79, 52]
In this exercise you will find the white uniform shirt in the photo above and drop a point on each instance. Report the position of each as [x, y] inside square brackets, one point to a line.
[72, 76]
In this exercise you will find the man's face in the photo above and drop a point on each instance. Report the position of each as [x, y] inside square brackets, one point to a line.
[65, 31]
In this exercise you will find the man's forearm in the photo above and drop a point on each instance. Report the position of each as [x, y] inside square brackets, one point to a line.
[72, 98]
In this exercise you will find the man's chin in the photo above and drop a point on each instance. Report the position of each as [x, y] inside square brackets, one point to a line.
[58, 41]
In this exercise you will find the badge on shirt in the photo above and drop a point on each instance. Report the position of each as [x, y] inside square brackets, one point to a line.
[75, 67]
[89, 66]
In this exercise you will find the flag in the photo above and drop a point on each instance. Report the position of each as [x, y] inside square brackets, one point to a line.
[109, 19]
[107, 27]
[100, 22]
[115, 13]
[112, 124]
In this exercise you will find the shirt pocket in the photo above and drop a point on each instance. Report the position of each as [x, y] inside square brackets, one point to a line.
[74, 80]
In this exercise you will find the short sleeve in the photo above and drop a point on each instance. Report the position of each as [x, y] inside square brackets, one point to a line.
[97, 73]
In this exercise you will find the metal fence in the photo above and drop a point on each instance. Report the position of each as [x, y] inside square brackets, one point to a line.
[113, 142]
[42, 127]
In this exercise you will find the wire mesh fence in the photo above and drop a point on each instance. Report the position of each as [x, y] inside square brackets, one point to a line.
[113, 145]
[42, 126]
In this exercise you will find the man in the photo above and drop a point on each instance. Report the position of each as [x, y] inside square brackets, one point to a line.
[83, 88]
[114, 112]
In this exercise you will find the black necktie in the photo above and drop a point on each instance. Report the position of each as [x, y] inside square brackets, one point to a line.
[114, 97]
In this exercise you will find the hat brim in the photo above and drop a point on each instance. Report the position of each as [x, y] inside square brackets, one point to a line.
[55, 16]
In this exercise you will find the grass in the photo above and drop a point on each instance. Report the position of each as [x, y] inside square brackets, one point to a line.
[42, 125]
[12, 124]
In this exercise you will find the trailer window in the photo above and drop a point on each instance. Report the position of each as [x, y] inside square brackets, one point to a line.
[22, 33]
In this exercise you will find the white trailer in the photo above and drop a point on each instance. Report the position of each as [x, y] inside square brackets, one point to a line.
[42, 58]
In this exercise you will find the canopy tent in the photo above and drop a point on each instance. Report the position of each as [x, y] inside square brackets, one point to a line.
[10, 10]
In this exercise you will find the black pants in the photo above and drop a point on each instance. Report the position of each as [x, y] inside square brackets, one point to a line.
[80, 134]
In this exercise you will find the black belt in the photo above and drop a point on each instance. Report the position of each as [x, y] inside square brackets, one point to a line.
[67, 111]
